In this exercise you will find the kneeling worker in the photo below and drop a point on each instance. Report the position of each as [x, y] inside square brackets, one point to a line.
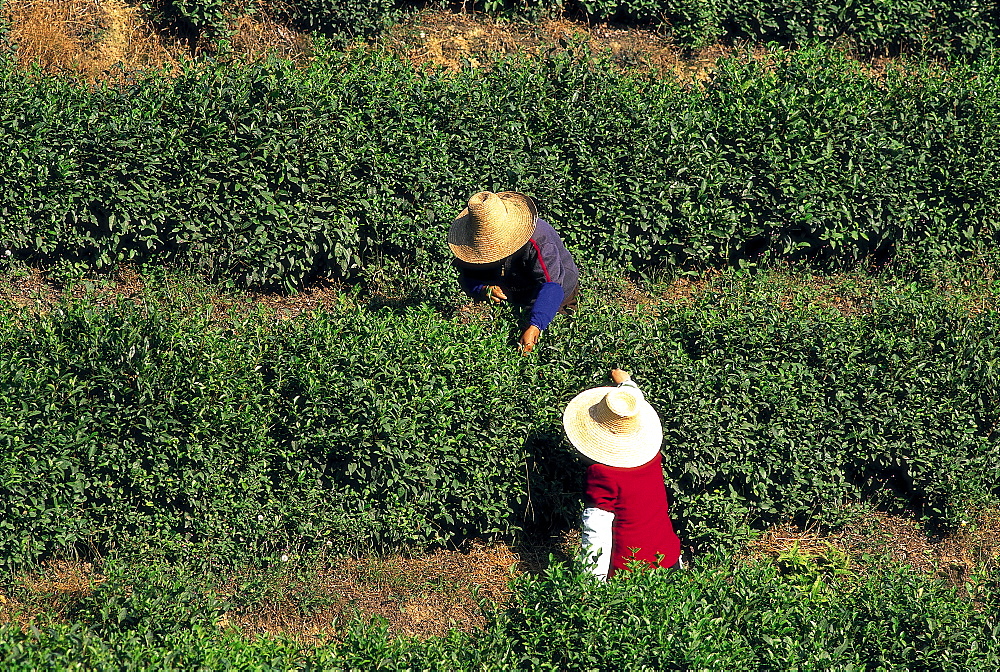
[504, 252]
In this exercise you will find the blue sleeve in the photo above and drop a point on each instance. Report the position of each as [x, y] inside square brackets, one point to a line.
[550, 297]
[471, 287]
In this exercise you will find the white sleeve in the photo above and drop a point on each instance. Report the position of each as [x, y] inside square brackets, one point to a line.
[631, 383]
[596, 540]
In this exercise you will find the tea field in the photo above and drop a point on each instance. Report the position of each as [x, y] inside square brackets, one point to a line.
[180, 430]
[234, 356]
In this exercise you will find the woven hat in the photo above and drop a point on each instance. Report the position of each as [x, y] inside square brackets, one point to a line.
[492, 227]
[615, 426]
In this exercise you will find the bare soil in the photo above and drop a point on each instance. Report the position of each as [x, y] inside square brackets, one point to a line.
[451, 41]
[102, 39]
[428, 595]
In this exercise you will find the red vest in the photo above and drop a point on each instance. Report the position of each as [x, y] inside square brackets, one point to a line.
[637, 496]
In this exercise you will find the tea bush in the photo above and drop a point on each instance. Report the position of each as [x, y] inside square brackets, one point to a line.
[954, 30]
[343, 19]
[718, 616]
[951, 30]
[272, 175]
[208, 21]
[366, 429]
[745, 617]
[203, 20]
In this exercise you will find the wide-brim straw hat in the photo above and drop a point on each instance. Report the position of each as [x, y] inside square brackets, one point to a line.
[615, 426]
[492, 227]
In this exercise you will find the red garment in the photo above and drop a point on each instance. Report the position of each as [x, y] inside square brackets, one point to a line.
[638, 498]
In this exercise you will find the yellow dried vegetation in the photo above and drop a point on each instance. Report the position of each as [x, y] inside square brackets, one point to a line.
[101, 39]
[87, 38]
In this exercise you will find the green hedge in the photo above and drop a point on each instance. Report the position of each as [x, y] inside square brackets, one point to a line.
[940, 28]
[272, 175]
[952, 30]
[209, 21]
[722, 616]
[361, 429]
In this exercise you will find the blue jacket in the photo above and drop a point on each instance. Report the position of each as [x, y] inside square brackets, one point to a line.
[540, 274]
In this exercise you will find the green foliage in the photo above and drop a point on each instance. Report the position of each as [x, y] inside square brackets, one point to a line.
[152, 601]
[814, 569]
[205, 21]
[343, 19]
[168, 429]
[5, 45]
[953, 30]
[363, 429]
[271, 175]
[745, 617]
[962, 30]
[717, 616]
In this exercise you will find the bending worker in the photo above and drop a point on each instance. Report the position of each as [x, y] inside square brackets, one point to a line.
[504, 252]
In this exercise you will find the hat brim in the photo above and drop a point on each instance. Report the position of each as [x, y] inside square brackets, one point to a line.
[601, 445]
[519, 227]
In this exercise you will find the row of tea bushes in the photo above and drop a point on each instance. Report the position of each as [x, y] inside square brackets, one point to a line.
[962, 29]
[270, 174]
[209, 22]
[717, 616]
[364, 429]
[940, 28]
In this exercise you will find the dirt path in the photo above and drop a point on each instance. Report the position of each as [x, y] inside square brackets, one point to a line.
[427, 595]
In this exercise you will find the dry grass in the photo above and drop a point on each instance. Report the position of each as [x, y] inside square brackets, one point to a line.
[418, 597]
[50, 589]
[102, 39]
[86, 38]
[258, 36]
[431, 594]
[439, 39]
[91, 38]
[956, 558]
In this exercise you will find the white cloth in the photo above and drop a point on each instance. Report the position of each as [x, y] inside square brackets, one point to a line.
[630, 383]
[596, 540]
[596, 526]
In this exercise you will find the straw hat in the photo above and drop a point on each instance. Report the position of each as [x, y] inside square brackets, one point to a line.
[615, 426]
[492, 227]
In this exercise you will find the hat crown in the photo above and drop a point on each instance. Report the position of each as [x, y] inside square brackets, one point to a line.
[487, 217]
[492, 226]
[618, 412]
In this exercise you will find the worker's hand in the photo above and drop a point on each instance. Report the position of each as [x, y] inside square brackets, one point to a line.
[620, 376]
[529, 339]
[495, 294]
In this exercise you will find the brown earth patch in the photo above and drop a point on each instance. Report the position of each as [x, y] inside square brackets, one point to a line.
[418, 597]
[956, 558]
[91, 38]
[262, 35]
[50, 589]
[105, 39]
[474, 311]
[63, 577]
[429, 595]
[29, 288]
[86, 38]
[452, 41]
[848, 295]
[102, 39]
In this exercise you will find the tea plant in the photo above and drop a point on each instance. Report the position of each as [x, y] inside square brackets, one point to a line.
[205, 21]
[368, 429]
[954, 30]
[720, 615]
[271, 175]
